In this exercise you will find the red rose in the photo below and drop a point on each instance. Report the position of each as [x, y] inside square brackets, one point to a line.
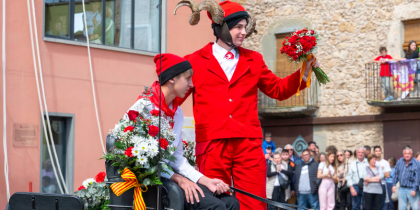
[129, 128]
[293, 39]
[100, 177]
[155, 112]
[153, 130]
[81, 188]
[163, 143]
[186, 143]
[312, 32]
[132, 115]
[128, 152]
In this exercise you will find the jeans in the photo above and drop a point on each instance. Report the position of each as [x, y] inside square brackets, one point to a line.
[404, 196]
[356, 201]
[372, 201]
[383, 198]
[308, 200]
[390, 205]
[386, 86]
[345, 200]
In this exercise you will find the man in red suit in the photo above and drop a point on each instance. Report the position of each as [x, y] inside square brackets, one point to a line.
[226, 79]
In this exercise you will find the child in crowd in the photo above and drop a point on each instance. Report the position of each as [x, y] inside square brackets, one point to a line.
[268, 142]
[385, 73]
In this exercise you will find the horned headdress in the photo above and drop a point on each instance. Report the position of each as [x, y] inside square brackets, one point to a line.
[224, 16]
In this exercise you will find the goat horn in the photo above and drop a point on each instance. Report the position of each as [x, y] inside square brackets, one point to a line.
[252, 22]
[215, 10]
[195, 16]
[211, 6]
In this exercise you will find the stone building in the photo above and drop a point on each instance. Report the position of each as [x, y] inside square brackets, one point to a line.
[341, 113]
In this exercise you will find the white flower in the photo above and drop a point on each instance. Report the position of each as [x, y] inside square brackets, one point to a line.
[88, 182]
[143, 147]
[136, 152]
[136, 139]
[142, 160]
[153, 151]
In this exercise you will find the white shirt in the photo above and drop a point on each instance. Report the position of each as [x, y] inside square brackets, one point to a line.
[384, 165]
[322, 166]
[228, 66]
[181, 165]
[357, 171]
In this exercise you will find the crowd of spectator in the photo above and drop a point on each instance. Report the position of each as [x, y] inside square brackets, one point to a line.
[342, 179]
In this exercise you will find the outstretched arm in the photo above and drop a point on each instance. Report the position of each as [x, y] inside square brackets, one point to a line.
[282, 88]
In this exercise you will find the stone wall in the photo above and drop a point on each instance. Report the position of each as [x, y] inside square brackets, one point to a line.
[351, 34]
[349, 136]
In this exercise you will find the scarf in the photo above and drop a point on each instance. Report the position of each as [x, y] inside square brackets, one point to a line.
[285, 166]
[154, 98]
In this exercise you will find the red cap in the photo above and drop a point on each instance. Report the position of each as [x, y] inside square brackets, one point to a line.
[171, 66]
[229, 7]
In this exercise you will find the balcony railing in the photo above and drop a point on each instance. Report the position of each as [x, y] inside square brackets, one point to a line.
[397, 84]
[306, 104]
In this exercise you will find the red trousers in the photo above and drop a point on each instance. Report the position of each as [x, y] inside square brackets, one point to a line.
[240, 159]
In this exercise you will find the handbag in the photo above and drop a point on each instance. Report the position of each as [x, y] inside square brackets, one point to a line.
[283, 182]
[361, 181]
[343, 187]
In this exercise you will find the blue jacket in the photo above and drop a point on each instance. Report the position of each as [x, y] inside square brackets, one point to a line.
[297, 160]
[265, 144]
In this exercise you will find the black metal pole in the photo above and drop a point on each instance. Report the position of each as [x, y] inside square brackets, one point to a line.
[159, 202]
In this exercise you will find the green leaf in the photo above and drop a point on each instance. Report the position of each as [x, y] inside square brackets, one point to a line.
[119, 144]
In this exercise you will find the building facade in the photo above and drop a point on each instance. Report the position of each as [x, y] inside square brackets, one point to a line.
[124, 38]
[343, 112]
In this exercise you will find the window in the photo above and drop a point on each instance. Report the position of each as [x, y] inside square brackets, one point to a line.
[62, 128]
[411, 32]
[127, 24]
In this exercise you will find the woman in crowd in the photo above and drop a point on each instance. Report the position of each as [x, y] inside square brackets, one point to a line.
[349, 156]
[372, 188]
[412, 50]
[342, 170]
[326, 172]
[321, 157]
[390, 205]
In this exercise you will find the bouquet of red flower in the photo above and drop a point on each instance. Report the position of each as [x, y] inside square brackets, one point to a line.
[299, 47]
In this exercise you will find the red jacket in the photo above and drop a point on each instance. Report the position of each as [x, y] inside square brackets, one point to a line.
[224, 109]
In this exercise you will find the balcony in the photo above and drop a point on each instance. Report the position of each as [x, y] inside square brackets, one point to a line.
[304, 105]
[403, 84]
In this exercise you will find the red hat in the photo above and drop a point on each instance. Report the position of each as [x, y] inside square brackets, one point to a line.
[170, 66]
[232, 10]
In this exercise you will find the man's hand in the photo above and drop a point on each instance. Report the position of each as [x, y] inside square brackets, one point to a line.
[292, 193]
[353, 191]
[413, 193]
[214, 185]
[394, 189]
[190, 188]
[308, 66]
[278, 168]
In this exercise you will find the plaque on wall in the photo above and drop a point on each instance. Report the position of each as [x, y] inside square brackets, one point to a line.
[25, 135]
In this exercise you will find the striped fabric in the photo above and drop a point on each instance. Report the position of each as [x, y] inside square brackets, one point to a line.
[407, 175]
[130, 182]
